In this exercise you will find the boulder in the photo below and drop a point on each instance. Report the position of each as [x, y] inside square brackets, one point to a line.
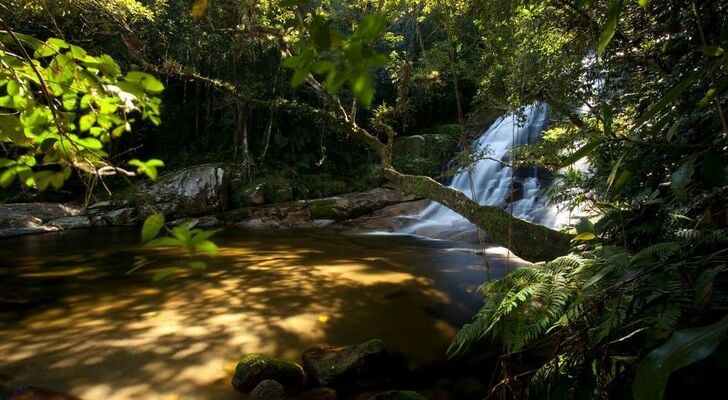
[268, 389]
[397, 395]
[254, 196]
[26, 218]
[122, 216]
[322, 393]
[192, 191]
[253, 369]
[352, 368]
[37, 393]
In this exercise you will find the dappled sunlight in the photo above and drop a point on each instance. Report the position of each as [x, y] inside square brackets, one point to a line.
[105, 334]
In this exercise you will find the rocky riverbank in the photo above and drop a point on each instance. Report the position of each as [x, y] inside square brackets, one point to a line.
[203, 192]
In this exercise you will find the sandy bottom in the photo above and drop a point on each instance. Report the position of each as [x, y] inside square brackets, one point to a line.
[83, 324]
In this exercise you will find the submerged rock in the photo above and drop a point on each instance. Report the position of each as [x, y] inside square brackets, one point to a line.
[253, 369]
[268, 389]
[351, 368]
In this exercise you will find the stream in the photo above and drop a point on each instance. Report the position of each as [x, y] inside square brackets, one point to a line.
[73, 318]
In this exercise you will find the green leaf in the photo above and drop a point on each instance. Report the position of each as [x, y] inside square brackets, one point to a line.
[712, 51]
[644, 3]
[208, 247]
[299, 77]
[599, 275]
[685, 347]
[615, 7]
[363, 88]
[581, 153]
[164, 241]
[86, 121]
[150, 83]
[152, 225]
[584, 236]
[7, 177]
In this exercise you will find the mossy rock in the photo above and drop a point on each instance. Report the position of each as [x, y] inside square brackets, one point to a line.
[326, 209]
[268, 390]
[252, 369]
[398, 395]
[351, 368]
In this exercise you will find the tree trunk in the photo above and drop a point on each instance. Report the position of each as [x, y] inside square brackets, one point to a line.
[530, 241]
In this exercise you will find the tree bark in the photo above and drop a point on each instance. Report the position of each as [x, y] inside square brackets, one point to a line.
[530, 241]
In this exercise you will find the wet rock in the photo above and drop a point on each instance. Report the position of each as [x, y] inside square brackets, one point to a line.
[192, 191]
[27, 218]
[319, 212]
[122, 216]
[252, 369]
[397, 395]
[254, 196]
[268, 389]
[351, 368]
[37, 393]
[323, 393]
[390, 218]
[65, 223]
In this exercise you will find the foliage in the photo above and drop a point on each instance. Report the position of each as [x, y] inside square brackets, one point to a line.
[61, 106]
[184, 236]
[648, 269]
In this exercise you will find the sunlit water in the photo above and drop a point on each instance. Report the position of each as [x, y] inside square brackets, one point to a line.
[73, 319]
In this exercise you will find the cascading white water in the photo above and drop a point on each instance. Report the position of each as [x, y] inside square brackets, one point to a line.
[492, 179]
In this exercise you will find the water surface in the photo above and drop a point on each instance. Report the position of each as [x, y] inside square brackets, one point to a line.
[73, 318]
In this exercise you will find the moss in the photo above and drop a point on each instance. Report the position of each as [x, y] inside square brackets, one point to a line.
[326, 209]
[255, 368]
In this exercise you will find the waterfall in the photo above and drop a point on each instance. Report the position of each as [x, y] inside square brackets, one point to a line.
[492, 179]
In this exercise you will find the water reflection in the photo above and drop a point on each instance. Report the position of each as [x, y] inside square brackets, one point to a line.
[74, 320]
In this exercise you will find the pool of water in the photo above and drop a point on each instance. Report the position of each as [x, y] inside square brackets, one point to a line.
[75, 317]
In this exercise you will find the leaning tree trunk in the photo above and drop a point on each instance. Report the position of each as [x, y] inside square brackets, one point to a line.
[530, 241]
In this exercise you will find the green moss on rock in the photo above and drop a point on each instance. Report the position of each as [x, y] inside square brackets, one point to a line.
[326, 209]
[255, 368]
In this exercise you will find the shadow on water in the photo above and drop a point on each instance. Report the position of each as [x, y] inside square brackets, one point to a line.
[78, 322]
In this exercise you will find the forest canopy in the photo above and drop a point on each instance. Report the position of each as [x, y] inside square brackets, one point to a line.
[301, 90]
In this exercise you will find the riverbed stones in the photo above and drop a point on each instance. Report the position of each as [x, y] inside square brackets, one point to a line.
[268, 389]
[351, 368]
[252, 369]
